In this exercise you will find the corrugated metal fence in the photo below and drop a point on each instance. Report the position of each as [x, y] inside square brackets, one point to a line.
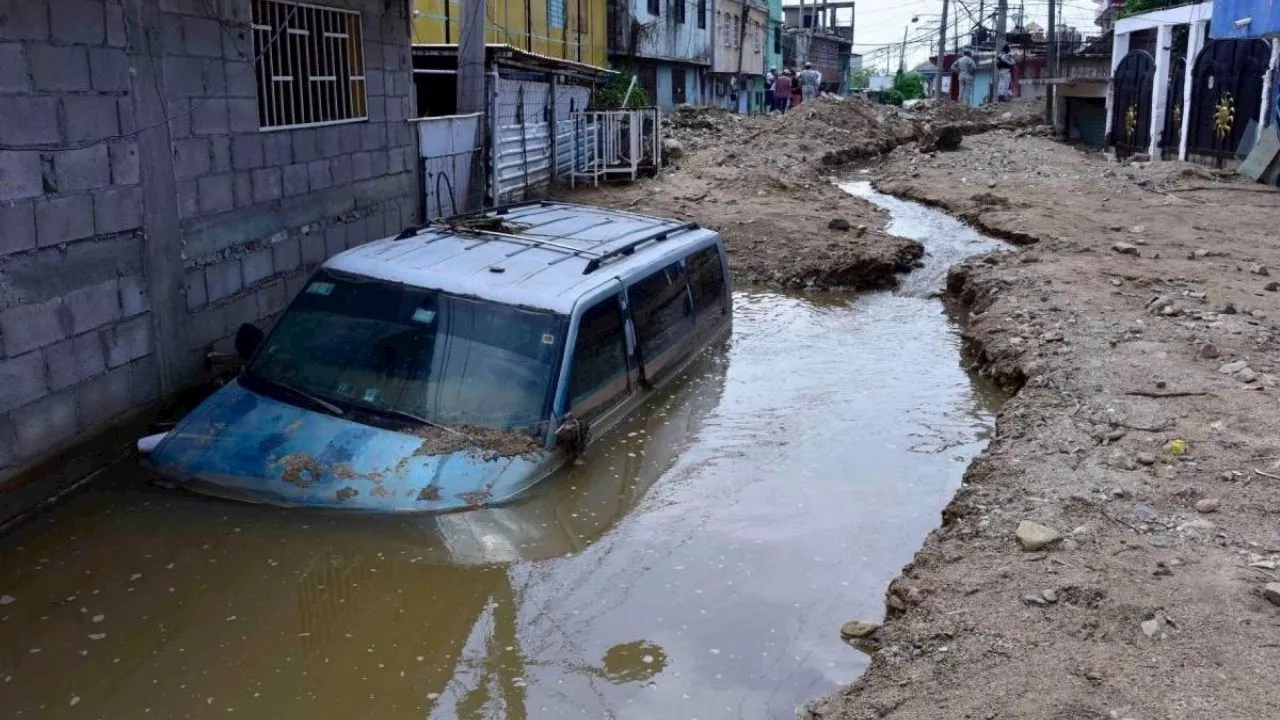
[534, 140]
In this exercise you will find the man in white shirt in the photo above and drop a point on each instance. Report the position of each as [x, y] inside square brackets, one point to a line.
[810, 82]
[965, 68]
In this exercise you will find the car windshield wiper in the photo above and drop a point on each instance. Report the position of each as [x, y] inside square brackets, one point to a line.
[410, 417]
[316, 400]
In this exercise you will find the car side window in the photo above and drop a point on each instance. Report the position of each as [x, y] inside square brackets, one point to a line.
[706, 281]
[661, 310]
[599, 357]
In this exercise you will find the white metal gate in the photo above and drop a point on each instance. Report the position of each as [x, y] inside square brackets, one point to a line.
[533, 135]
[449, 148]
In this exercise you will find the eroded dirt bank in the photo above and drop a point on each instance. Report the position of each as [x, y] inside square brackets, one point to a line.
[1139, 329]
[763, 183]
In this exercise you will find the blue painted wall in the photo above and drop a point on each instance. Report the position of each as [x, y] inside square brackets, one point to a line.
[1264, 16]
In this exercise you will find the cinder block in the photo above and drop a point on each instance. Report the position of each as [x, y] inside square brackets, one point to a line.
[31, 326]
[396, 110]
[71, 361]
[335, 240]
[357, 233]
[104, 398]
[216, 194]
[59, 69]
[21, 174]
[207, 327]
[374, 80]
[220, 154]
[319, 174]
[188, 198]
[124, 163]
[116, 34]
[128, 341]
[90, 117]
[395, 161]
[272, 298]
[109, 69]
[306, 146]
[287, 255]
[296, 178]
[61, 220]
[340, 168]
[377, 110]
[330, 140]
[391, 221]
[192, 158]
[242, 114]
[15, 74]
[256, 266]
[313, 252]
[92, 307]
[246, 151]
[361, 166]
[203, 36]
[81, 22]
[350, 138]
[28, 120]
[22, 380]
[133, 295]
[209, 116]
[242, 78]
[242, 188]
[267, 184]
[25, 21]
[17, 227]
[8, 451]
[277, 149]
[144, 380]
[85, 169]
[117, 210]
[223, 279]
[124, 110]
[184, 76]
[45, 424]
[194, 288]
[379, 161]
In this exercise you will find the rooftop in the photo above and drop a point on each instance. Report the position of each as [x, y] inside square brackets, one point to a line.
[540, 254]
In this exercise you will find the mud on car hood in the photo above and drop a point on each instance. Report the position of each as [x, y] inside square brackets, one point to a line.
[245, 446]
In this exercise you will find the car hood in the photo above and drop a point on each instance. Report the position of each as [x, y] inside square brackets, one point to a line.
[245, 446]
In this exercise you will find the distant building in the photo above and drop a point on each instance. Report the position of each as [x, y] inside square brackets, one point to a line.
[667, 43]
[738, 56]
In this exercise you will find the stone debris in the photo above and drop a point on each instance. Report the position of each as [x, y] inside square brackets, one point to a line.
[1033, 536]
[1271, 591]
[858, 630]
[1208, 505]
[1125, 248]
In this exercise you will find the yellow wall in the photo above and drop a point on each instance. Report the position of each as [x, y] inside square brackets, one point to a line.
[508, 24]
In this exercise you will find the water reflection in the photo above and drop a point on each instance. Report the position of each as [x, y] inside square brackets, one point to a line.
[698, 564]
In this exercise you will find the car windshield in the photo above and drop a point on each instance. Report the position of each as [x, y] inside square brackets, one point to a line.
[446, 359]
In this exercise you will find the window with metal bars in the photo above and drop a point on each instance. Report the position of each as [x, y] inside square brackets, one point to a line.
[555, 13]
[702, 14]
[655, 7]
[678, 10]
[310, 65]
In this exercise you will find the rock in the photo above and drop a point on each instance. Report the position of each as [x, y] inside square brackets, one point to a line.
[1052, 336]
[672, 148]
[1115, 435]
[947, 138]
[1272, 593]
[1033, 599]
[1199, 524]
[1124, 462]
[858, 630]
[1145, 512]
[1247, 375]
[1232, 368]
[1070, 545]
[1034, 536]
[1125, 248]
[1209, 351]
[1208, 505]
[1260, 270]
[1150, 627]
[1145, 458]
[1229, 309]
[7, 599]
[860, 230]
[1050, 596]
[895, 604]
[839, 224]
[1200, 253]
[1272, 287]
[1138, 229]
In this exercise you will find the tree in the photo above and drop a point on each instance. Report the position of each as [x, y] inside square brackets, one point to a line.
[1133, 7]
[910, 86]
[860, 79]
[609, 97]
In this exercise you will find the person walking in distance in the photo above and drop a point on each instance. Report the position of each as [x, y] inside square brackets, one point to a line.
[810, 82]
[965, 67]
[769, 78]
[1004, 70]
[782, 92]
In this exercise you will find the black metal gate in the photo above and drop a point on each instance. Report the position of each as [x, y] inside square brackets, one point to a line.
[1131, 109]
[1226, 93]
[1172, 134]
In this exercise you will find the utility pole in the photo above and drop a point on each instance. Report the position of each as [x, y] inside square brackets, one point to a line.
[902, 57]
[1002, 15]
[802, 53]
[1051, 61]
[471, 89]
[942, 52]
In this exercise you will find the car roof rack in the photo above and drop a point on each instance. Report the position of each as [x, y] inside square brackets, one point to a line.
[657, 236]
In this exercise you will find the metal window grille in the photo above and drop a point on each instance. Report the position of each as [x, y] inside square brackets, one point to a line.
[655, 7]
[310, 64]
[702, 14]
[556, 13]
[678, 10]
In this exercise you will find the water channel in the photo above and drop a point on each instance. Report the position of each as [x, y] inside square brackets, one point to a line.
[698, 564]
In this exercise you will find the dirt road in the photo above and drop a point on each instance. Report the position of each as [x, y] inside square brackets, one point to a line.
[1139, 331]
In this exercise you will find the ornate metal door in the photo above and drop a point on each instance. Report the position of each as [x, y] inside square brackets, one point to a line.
[1169, 139]
[1226, 93]
[1131, 107]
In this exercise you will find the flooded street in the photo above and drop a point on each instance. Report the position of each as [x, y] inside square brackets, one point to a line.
[698, 564]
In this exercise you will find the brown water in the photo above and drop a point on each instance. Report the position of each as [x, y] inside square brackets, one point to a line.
[698, 565]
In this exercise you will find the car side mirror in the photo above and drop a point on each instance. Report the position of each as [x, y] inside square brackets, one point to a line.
[572, 435]
[248, 338]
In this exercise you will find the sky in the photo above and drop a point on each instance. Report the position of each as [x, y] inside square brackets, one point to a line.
[878, 23]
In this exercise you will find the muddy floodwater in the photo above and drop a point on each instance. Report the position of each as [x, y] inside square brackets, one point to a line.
[698, 564]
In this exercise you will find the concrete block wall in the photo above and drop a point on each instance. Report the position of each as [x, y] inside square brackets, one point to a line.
[143, 213]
